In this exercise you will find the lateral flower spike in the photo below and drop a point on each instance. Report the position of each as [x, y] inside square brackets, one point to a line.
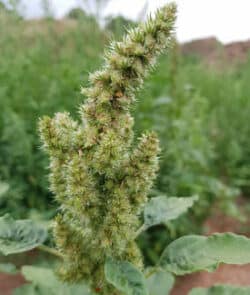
[97, 174]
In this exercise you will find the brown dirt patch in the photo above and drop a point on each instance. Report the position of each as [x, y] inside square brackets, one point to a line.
[215, 53]
[225, 275]
[9, 282]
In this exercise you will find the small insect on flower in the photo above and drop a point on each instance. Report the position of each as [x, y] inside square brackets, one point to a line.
[118, 94]
[98, 290]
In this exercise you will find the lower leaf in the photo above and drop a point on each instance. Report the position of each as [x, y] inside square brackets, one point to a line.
[18, 236]
[194, 253]
[160, 283]
[125, 277]
[8, 268]
[29, 289]
[44, 282]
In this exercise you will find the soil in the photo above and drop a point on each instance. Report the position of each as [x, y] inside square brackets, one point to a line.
[215, 53]
[9, 282]
[225, 275]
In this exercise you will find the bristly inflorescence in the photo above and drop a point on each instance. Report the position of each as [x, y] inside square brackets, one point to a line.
[98, 175]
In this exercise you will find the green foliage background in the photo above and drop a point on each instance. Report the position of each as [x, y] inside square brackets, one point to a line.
[200, 114]
[42, 67]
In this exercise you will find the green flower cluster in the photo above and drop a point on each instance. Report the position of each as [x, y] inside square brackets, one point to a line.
[98, 175]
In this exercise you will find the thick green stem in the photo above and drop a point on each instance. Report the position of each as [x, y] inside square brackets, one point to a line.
[140, 230]
[50, 251]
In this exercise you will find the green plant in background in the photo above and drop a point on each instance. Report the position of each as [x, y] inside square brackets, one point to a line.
[11, 8]
[229, 107]
[2, 6]
[95, 7]
[100, 178]
[40, 63]
[183, 119]
[4, 187]
[47, 9]
[189, 156]
[118, 25]
[193, 126]
[76, 13]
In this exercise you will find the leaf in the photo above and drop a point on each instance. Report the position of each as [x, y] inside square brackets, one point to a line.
[162, 209]
[20, 236]
[125, 277]
[221, 290]
[8, 268]
[160, 283]
[29, 289]
[44, 279]
[163, 100]
[40, 275]
[4, 187]
[194, 253]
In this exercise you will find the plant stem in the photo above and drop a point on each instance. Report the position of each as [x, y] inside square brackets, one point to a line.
[140, 230]
[50, 251]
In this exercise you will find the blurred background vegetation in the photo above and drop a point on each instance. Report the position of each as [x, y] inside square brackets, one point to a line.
[200, 110]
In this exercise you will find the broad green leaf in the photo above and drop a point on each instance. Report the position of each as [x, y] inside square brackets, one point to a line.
[194, 253]
[160, 283]
[8, 268]
[221, 290]
[43, 279]
[18, 236]
[125, 277]
[29, 289]
[40, 275]
[162, 209]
